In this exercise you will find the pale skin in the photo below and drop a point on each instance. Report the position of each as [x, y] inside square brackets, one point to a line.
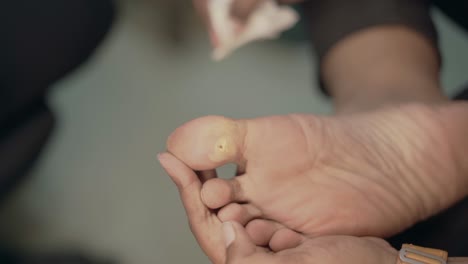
[395, 154]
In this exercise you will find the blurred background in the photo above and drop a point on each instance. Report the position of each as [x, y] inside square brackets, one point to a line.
[97, 187]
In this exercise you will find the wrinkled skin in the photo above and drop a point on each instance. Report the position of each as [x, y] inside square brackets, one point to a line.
[296, 248]
[369, 174]
[327, 249]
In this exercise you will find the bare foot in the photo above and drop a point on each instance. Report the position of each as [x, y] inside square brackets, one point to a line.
[364, 174]
[295, 248]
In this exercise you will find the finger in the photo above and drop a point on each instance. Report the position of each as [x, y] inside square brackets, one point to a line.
[285, 238]
[242, 9]
[187, 182]
[217, 193]
[209, 142]
[240, 213]
[240, 248]
[204, 225]
[261, 231]
[204, 176]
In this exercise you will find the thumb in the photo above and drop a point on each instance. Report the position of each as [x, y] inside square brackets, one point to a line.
[238, 243]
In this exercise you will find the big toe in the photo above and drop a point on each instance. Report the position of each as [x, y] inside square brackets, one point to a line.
[208, 142]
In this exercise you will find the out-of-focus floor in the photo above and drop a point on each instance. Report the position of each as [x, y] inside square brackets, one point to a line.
[98, 186]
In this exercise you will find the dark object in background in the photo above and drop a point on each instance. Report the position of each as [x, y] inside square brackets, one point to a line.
[447, 230]
[464, 94]
[40, 42]
[9, 257]
[457, 10]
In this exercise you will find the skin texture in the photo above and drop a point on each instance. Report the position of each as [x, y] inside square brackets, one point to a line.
[364, 174]
[359, 174]
[212, 235]
[327, 249]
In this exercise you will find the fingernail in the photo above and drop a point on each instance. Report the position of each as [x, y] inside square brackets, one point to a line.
[229, 234]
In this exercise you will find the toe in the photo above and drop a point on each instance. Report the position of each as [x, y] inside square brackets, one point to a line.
[272, 234]
[217, 193]
[285, 238]
[240, 213]
[204, 176]
[261, 231]
[209, 142]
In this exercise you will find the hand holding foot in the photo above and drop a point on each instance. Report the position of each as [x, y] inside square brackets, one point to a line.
[364, 174]
[230, 243]
[328, 249]
[204, 224]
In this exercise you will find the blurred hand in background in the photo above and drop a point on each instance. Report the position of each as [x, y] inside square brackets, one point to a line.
[240, 10]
